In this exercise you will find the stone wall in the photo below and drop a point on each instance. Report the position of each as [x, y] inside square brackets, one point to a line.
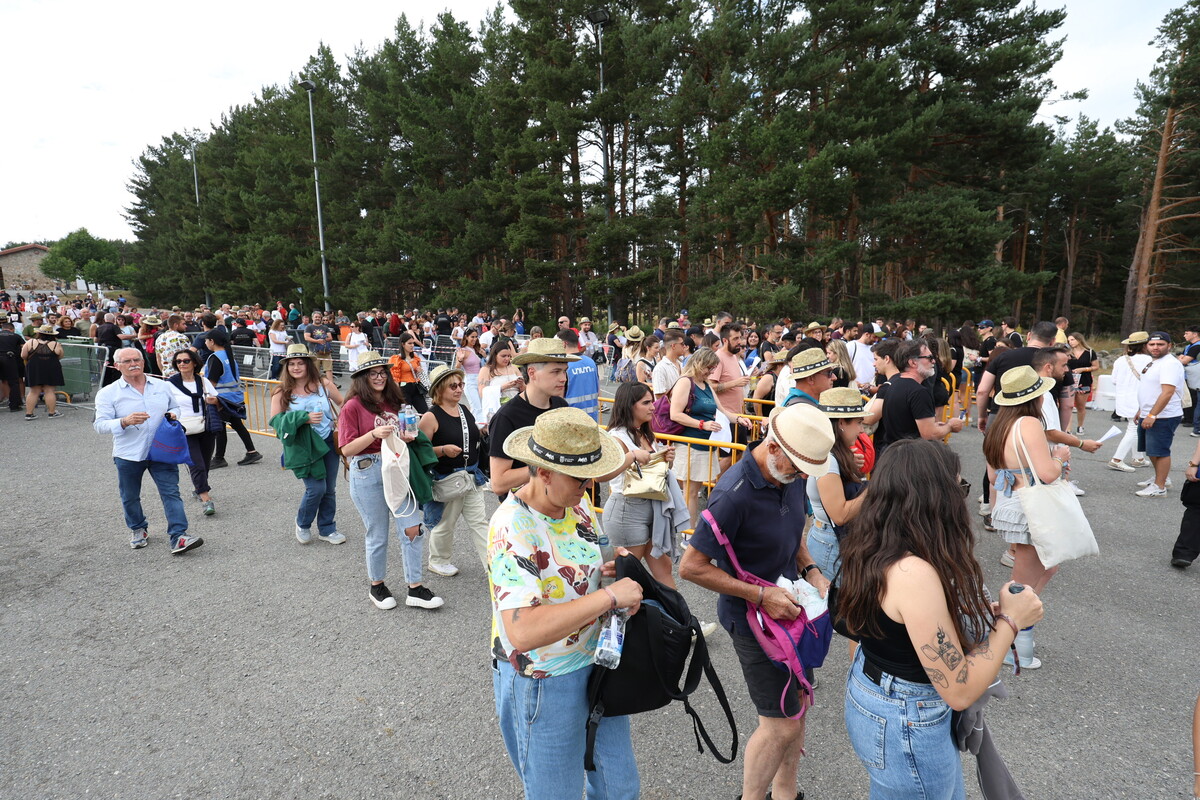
[21, 271]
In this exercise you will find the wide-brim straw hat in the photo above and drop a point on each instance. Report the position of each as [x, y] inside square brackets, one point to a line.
[805, 434]
[1020, 385]
[585, 319]
[635, 334]
[1137, 337]
[708, 322]
[842, 403]
[297, 351]
[673, 326]
[48, 329]
[776, 358]
[566, 440]
[809, 362]
[546, 349]
[614, 327]
[814, 326]
[368, 360]
[151, 320]
[441, 372]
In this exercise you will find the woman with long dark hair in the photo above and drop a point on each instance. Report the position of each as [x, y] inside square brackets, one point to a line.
[499, 371]
[302, 388]
[930, 640]
[406, 368]
[469, 358]
[1083, 363]
[193, 393]
[837, 496]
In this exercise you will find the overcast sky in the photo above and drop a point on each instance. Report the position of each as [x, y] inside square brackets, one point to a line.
[88, 86]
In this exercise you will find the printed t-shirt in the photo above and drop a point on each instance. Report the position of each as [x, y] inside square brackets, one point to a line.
[535, 560]
[356, 420]
[516, 413]
[907, 401]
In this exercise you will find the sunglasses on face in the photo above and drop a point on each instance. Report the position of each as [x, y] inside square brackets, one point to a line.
[179, 361]
[454, 386]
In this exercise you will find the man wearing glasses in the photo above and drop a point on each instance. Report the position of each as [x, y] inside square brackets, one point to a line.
[130, 409]
[909, 412]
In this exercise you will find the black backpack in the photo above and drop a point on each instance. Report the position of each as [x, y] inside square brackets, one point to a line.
[658, 640]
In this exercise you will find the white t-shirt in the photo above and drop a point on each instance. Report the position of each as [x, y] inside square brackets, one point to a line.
[864, 361]
[664, 377]
[1126, 380]
[1050, 416]
[1165, 370]
[279, 342]
[486, 339]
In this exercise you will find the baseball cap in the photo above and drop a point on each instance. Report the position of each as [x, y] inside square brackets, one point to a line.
[1159, 336]
[985, 323]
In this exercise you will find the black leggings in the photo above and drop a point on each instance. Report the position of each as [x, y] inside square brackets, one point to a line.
[200, 447]
[239, 427]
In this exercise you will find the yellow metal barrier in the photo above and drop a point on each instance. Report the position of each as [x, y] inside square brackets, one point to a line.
[258, 405]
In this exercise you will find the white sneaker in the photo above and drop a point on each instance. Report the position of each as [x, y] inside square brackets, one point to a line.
[303, 536]
[1006, 558]
[1120, 466]
[1033, 663]
[985, 509]
[1140, 462]
[1075, 488]
[1150, 481]
[333, 538]
[1152, 491]
[707, 628]
[445, 570]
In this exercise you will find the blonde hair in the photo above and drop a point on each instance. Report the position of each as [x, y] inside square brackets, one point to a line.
[839, 354]
[703, 360]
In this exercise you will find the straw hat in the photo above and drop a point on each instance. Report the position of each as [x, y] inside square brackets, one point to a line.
[1137, 337]
[842, 403]
[368, 360]
[805, 434]
[814, 326]
[614, 327]
[566, 440]
[542, 350]
[1020, 385]
[440, 373]
[673, 326]
[708, 323]
[296, 351]
[635, 334]
[809, 362]
[151, 320]
[585, 319]
[47, 329]
[776, 358]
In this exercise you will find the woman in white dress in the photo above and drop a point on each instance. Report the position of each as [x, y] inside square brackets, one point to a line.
[356, 345]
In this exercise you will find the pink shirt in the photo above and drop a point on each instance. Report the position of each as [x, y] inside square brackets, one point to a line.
[356, 420]
[729, 369]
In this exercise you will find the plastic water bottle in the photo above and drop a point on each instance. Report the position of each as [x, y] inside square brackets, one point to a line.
[612, 639]
[607, 551]
[408, 424]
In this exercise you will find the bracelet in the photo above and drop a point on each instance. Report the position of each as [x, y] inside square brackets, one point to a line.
[1009, 620]
[762, 590]
[804, 572]
[1080, 445]
[614, 599]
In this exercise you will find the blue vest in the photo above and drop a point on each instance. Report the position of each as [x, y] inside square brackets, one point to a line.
[228, 387]
[583, 387]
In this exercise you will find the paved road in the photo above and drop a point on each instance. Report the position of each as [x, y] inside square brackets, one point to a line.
[257, 668]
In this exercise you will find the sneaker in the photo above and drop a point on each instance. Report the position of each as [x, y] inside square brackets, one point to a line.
[217, 463]
[1079, 431]
[1032, 663]
[985, 509]
[445, 570]
[303, 536]
[1075, 488]
[421, 597]
[1195, 434]
[185, 543]
[1150, 481]
[55, 415]
[381, 597]
[1140, 462]
[140, 539]
[333, 538]
[1120, 466]
[987, 523]
[1152, 491]
[30, 416]
[252, 457]
[210, 508]
[707, 628]
[1006, 558]
[1182, 563]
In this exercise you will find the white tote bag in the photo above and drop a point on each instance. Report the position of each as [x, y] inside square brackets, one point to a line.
[1058, 527]
[397, 491]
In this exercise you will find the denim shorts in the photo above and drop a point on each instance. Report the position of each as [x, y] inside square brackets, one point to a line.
[766, 681]
[1157, 441]
[900, 731]
[824, 549]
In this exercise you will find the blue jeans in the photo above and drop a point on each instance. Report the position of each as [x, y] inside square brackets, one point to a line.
[543, 722]
[824, 548]
[900, 731]
[166, 479]
[366, 490]
[320, 498]
[276, 366]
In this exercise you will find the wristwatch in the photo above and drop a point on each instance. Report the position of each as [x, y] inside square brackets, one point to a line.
[804, 572]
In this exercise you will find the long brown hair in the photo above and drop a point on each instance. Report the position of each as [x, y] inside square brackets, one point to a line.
[996, 436]
[392, 397]
[915, 507]
[628, 396]
[287, 384]
[841, 451]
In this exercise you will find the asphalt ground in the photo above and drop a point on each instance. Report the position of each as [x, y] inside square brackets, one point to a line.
[255, 667]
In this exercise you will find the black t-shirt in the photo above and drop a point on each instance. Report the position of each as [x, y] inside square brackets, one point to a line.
[10, 344]
[106, 336]
[765, 348]
[516, 413]
[1014, 340]
[443, 325]
[906, 402]
[1017, 357]
[986, 346]
[243, 337]
[449, 431]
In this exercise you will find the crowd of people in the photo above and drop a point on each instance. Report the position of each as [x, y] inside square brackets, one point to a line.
[836, 431]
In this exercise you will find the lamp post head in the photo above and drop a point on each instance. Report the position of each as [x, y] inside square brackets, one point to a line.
[307, 85]
[599, 16]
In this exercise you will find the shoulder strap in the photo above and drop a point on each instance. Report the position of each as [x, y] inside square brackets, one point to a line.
[1021, 449]
[1132, 369]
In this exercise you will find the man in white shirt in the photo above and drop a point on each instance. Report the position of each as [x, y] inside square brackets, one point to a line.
[589, 342]
[863, 358]
[668, 368]
[488, 336]
[1160, 405]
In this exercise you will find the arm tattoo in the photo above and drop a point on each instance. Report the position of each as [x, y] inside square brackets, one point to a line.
[945, 651]
[937, 677]
[962, 676]
[516, 614]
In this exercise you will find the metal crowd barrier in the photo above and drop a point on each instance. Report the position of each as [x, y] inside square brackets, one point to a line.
[83, 368]
[257, 393]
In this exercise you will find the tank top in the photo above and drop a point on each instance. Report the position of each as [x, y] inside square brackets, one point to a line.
[894, 653]
[471, 363]
[317, 401]
[704, 407]
[450, 431]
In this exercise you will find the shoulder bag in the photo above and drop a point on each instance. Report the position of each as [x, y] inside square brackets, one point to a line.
[661, 422]
[459, 482]
[1058, 528]
[648, 482]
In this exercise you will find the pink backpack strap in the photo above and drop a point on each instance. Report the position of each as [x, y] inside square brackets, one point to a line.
[741, 574]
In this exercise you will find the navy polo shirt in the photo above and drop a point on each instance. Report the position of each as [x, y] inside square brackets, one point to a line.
[763, 522]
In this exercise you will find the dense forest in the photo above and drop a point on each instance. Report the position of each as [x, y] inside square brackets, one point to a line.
[778, 157]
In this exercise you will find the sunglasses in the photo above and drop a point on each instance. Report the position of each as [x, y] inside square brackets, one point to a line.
[454, 386]
[179, 361]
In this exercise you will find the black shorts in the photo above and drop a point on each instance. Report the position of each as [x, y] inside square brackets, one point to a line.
[766, 680]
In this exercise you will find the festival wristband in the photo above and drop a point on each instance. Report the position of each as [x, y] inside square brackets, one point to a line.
[613, 597]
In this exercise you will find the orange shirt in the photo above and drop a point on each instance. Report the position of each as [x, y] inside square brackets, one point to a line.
[404, 371]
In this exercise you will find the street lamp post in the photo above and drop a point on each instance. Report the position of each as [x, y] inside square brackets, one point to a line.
[196, 184]
[310, 87]
[600, 18]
